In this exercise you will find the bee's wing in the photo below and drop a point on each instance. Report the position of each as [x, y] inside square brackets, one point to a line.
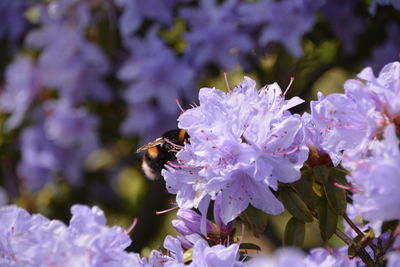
[154, 143]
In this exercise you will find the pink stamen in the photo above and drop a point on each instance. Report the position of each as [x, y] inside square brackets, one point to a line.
[207, 167]
[179, 105]
[167, 210]
[290, 84]
[133, 224]
[283, 152]
[348, 187]
[179, 166]
[226, 82]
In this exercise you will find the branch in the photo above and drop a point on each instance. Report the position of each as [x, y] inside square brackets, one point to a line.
[360, 251]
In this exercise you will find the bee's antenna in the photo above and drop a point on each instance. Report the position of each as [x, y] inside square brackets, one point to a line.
[172, 144]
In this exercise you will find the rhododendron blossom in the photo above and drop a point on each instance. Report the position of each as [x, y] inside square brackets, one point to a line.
[242, 143]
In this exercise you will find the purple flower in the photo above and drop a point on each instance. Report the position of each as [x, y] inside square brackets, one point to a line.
[135, 11]
[241, 144]
[68, 62]
[349, 122]
[375, 3]
[385, 90]
[314, 139]
[60, 144]
[151, 76]
[190, 223]
[284, 22]
[70, 127]
[203, 255]
[174, 257]
[335, 258]
[73, 131]
[290, 21]
[387, 51]
[342, 124]
[376, 198]
[12, 21]
[39, 158]
[22, 87]
[214, 36]
[32, 240]
[3, 197]
[344, 21]
[218, 255]
[281, 258]
[393, 259]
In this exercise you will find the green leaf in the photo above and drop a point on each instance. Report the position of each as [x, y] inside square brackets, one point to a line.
[339, 174]
[389, 225]
[321, 172]
[327, 219]
[304, 188]
[256, 219]
[294, 233]
[336, 196]
[295, 205]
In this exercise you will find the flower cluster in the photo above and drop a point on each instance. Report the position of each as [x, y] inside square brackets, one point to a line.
[153, 80]
[284, 22]
[30, 240]
[62, 133]
[72, 67]
[189, 224]
[33, 240]
[376, 178]
[13, 24]
[242, 143]
[59, 145]
[66, 52]
[360, 128]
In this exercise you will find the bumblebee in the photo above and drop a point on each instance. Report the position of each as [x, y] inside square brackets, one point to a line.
[162, 150]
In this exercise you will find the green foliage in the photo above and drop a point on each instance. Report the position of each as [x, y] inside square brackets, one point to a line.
[294, 233]
[327, 219]
[295, 205]
[335, 195]
[255, 219]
